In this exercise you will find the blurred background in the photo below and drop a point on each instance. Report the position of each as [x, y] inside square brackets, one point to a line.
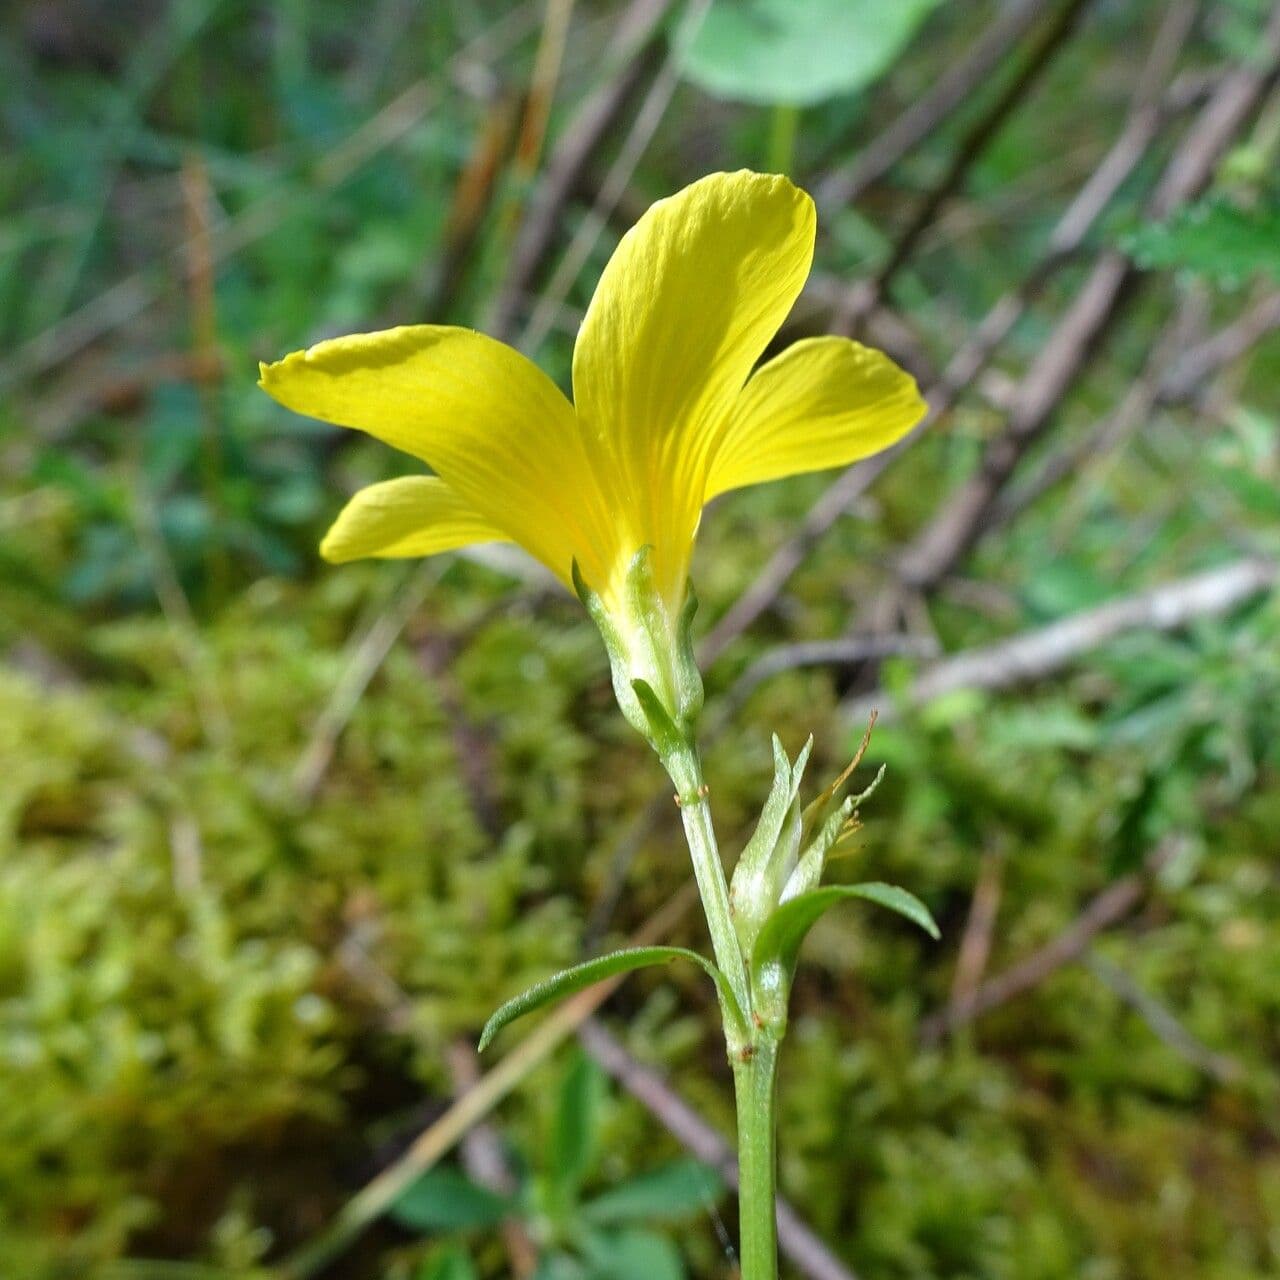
[275, 838]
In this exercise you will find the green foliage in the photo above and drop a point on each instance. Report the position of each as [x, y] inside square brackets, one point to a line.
[799, 52]
[227, 1001]
[1214, 237]
[587, 974]
[607, 1236]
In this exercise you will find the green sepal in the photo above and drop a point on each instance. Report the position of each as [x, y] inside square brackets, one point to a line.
[776, 950]
[771, 852]
[665, 657]
[662, 731]
[808, 872]
[689, 691]
[646, 644]
[590, 601]
[569, 981]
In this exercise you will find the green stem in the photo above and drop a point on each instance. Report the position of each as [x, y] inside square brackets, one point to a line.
[755, 1088]
[685, 770]
[755, 1061]
[784, 120]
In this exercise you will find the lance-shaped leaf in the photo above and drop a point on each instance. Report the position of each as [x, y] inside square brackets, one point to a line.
[808, 872]
[773, 959]
[568, 981]
[770, 854]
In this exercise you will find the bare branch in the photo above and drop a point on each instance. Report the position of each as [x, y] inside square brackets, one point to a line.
[1159, 386]
[630, 61]
[979, 929]
[1048, 649]
[1218, 1066]
[1108, 908]
[947, 538]
[847, 185]
[827, 653]
[796, 1241]
[866, 296]
[969, 361]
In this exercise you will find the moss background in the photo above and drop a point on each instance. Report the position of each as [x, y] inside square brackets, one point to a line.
[232, 965]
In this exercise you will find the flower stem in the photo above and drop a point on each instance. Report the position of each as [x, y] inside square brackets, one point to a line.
[783, 122]
[755, 1060]
[685, 770]
[755, 1088]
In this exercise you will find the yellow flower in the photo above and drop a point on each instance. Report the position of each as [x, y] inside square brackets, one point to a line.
[667, 413]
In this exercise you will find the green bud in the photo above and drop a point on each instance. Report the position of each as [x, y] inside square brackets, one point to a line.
[770, 855]
[655, 676]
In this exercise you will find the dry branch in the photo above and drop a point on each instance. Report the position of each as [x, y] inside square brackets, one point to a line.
[796, 1241]
[1108, 908]
[1160, 385]
[860, 301]
[948, 537]
[848, 184]
[1163, 1022]
[969, 361]
[1048, 649]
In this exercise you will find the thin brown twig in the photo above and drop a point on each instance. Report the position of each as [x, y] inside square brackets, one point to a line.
[1164, 382]
[867, 295]
[847, 185]
[1033, 655]
[796, 1240]
[979, 930]
[1109, 907]
[967, 363]
[958, 525]
[629, 61]
[850, 651]
[1221, 1067]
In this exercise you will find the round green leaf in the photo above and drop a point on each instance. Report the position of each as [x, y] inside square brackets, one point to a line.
[799, 51]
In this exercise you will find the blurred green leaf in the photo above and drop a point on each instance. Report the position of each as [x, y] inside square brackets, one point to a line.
[799, 51]
[577, 1126]
[632, 1255]
[453, 1264]
[673, 1191]
[1212, 237]
[446, 1200]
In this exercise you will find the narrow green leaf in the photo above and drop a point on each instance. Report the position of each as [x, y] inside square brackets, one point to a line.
[587, 974]
[773, 959]
[632, 1255]
[453, 1264]
[673, 1191]
[573, 1138]
[662, 728]
[446, 1200]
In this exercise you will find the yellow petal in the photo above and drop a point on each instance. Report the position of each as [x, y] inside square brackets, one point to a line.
[491, 424]
[824, 402]
[686, 305]
[412, 516]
